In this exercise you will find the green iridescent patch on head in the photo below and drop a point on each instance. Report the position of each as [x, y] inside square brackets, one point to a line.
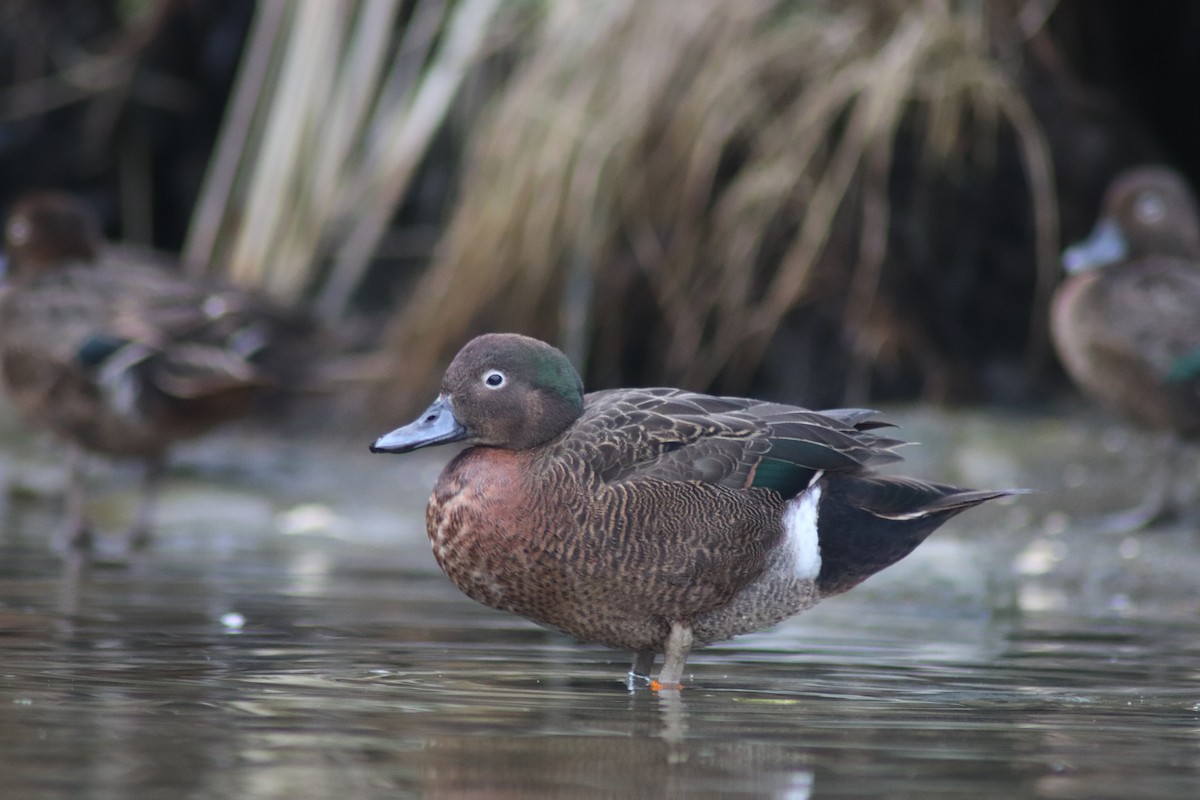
[554, 372]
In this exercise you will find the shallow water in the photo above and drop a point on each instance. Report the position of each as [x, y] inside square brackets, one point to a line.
[288, 635]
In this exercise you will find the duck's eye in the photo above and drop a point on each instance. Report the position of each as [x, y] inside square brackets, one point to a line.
[493, 379]
[18, 230]
[1149, 208]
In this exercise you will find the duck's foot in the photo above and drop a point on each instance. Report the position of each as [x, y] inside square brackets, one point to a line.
[639, 673]
[1134, 519]
[76, 533]
[679, 644]
[138, 537]
[75, 536]
[1157, 506]
[141, 531]
[1159, 503]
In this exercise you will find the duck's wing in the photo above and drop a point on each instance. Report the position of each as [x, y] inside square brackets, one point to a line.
[127, 331]
[211, 327]
[1152, 310]
[198, 339]
[738, 443]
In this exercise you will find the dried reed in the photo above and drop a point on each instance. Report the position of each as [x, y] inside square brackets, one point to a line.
[332, 113]
[734, 159]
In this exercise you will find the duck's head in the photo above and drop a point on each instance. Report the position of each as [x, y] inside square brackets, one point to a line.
[47, 229]
[1147, 210]
[501, 390]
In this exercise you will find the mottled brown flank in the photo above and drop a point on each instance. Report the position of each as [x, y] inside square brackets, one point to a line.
[1120, 329]
[612, 564]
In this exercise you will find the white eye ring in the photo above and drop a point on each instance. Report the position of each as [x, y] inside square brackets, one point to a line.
[18, 230]
[494, 379]
[1150, 208]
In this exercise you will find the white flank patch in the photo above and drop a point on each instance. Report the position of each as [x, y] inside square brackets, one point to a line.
[800, 531]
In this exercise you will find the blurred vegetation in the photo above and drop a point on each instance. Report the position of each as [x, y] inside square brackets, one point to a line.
[335, 107]
[119, 101]
[711, 169]
[825, 201]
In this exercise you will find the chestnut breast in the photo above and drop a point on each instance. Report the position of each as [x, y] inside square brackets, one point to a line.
[491, 539]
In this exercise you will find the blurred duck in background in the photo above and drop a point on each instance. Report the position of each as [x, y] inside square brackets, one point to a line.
[119, 356]
[1126, 321]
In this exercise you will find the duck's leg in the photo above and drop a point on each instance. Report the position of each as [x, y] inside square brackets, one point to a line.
[1158, 502]
[639, 673]
[679, 644]
[76, 532]
[143, 519]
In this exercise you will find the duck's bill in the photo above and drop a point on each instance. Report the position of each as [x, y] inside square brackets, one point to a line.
[1106, 245]
[436, 425]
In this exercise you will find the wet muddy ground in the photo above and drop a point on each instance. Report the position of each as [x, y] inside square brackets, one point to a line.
[288, 635]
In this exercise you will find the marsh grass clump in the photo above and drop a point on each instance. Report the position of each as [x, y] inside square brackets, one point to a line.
[661, 186]
[335, 107]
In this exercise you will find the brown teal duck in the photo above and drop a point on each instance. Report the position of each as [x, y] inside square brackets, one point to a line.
[120, 357]
[1126, 320]
[655, 520]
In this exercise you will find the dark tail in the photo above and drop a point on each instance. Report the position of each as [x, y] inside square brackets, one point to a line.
[868, 523]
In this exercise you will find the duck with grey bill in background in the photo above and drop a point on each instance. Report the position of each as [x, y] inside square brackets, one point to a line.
[118, 354]
[656, 520]
[1126, 321]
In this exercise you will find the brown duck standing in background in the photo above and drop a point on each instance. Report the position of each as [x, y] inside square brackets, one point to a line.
[1126, 321]
[120, 357]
